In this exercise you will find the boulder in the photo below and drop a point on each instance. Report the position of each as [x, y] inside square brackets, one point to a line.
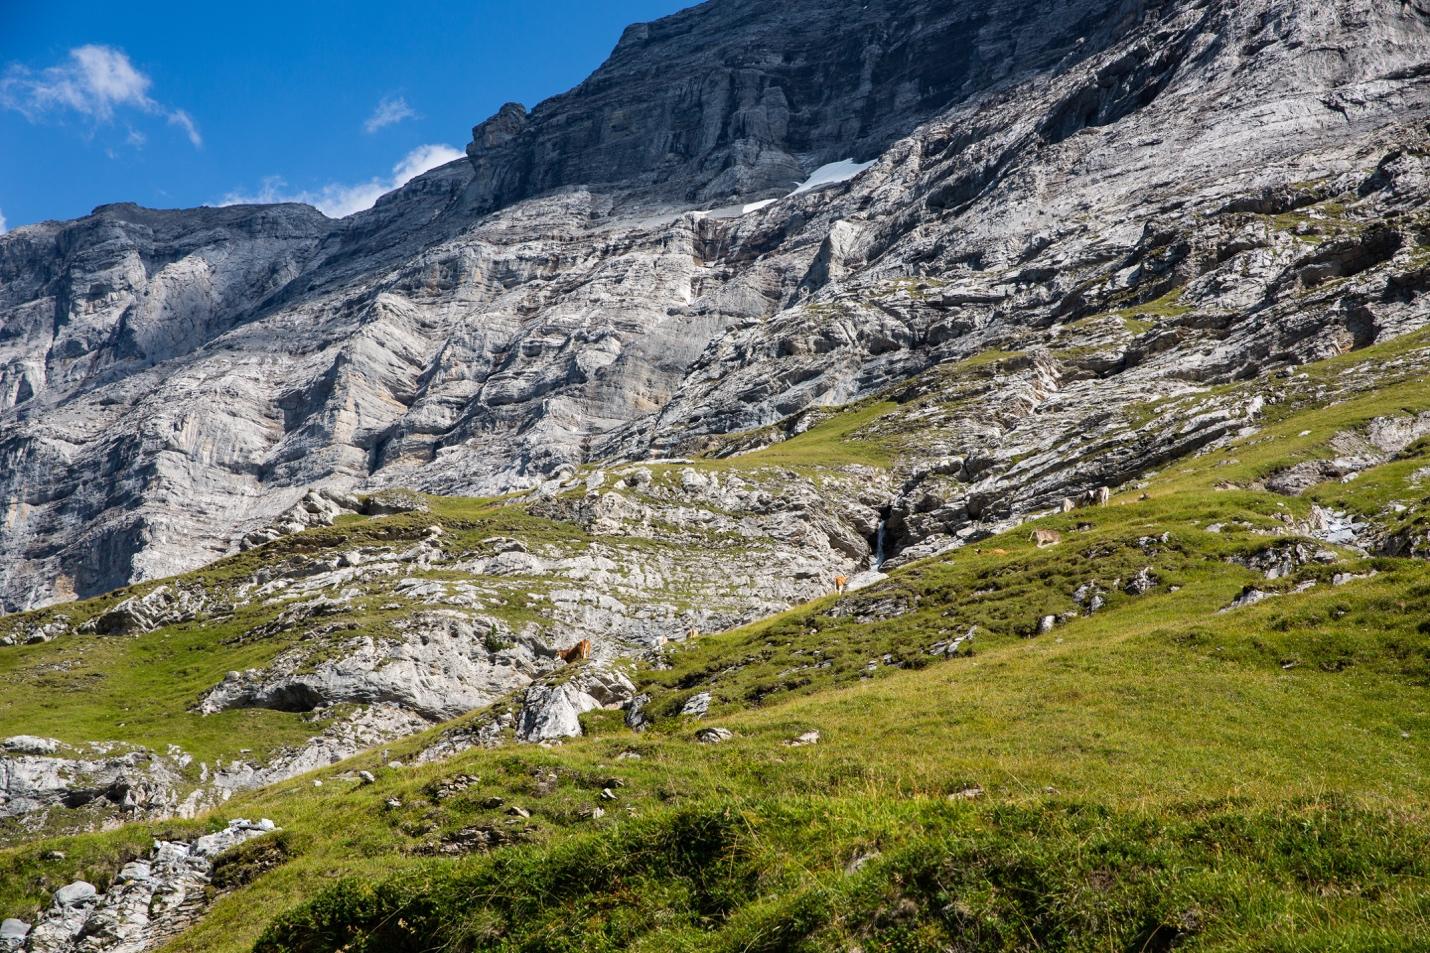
[697, 705]
[550, 712]
[29, 744]
[74, 894]
[12, 934]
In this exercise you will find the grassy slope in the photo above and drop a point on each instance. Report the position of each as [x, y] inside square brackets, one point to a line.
[140, 690]
[1157, 774]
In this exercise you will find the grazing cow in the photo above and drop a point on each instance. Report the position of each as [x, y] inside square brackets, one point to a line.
[1098, 497]
[840, 584]
[1067, 505]
[1046, 537]
[579, 652]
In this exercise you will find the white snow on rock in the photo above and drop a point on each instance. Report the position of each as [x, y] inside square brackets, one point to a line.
[841, 171]
[831, 174]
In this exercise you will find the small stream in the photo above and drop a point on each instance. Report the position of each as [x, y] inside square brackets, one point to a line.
[876, 562]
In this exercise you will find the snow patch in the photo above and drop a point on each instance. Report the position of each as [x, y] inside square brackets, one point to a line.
[841, 171]
[830, 174]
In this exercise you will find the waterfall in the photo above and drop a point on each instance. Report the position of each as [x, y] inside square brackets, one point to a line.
[877, 562]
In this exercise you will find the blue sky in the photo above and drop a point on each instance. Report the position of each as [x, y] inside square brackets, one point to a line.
[182, 104]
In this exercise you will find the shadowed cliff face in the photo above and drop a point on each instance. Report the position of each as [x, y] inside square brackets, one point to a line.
[171, 381]
[741, 98]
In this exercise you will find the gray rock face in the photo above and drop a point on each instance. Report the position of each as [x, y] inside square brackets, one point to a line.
[132, 784]
[164, 605]
[438, 668]
[150, 900]
[29, 744]
[551, 712]
[1151, 174]
[171, 383]
[744, 97]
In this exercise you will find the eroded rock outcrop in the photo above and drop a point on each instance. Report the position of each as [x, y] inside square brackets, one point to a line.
[151, 900]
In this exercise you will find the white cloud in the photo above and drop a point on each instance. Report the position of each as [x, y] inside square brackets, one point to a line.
[338, 200]
[422, 159]
[3, 228]
[186, 122]
[389, 112]
[94, 83]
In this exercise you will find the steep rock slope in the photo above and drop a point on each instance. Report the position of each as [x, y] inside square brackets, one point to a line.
[456, 342]
[201, 369]
[1233, 189]
[739, 97]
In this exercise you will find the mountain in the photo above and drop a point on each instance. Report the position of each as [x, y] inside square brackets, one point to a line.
[981, 447]
[173, 381]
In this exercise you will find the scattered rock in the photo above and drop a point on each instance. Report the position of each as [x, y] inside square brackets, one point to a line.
[164, 605]
[472, 840]
[713, 736]
[76, 893]
[1250, 596]
[29, 744]
[150, 901]
[953, 647]
[859, 861]
[697, 705]
[1142, 583]
[13, 933]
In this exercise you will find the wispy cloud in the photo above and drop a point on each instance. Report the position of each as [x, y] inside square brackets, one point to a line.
[390, 111]
[340, 201]
[94, 83]
[3, 228]
[186, 122]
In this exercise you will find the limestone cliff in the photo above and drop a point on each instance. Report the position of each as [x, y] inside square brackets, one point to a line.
[590, 284]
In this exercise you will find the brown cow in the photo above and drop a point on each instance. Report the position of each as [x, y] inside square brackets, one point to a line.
[840, 584]
[579, 652]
